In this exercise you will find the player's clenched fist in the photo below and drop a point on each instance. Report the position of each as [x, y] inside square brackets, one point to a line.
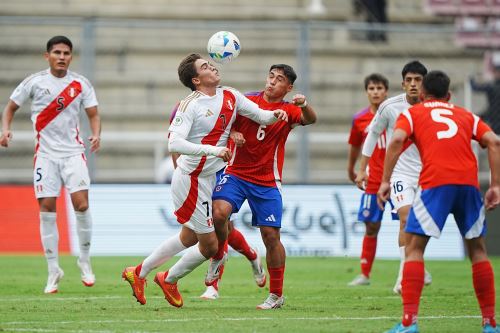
[95, 143]
[281, 115]
[492, 198]
[299, 100]
[383, 194]
[225, 154]
[5, 138]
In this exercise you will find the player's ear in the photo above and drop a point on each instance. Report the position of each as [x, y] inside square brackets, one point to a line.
[195, 81]
[46, 56]
[290, 88]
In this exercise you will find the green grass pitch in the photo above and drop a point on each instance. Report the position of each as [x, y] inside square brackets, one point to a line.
[317, 299]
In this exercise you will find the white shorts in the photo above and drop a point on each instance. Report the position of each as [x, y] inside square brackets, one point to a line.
[192, 196]
[403, 191]
[50, 174]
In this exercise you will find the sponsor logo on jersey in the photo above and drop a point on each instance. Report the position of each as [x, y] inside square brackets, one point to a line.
[209, 113]
[177, 121]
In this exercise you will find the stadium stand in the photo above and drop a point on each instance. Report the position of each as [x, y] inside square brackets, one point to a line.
[138, 45]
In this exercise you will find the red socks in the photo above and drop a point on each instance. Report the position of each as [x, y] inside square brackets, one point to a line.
[238, 242]
[221, 250]
[138, 269]
[276, 276]
[412, 285]
[484, 286]
[368, 254]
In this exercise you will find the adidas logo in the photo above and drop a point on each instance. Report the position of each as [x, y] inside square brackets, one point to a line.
[271, 218]
[82, 183]
[209, 113]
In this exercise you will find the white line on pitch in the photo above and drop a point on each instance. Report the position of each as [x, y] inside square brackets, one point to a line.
[334, 318]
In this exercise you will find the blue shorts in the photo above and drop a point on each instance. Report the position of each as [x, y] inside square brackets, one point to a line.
[265, 202]
[431, 208]
[369, 211]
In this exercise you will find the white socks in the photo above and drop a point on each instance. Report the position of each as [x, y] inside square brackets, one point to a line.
[186, 264]
[50, 239]
[161, 254]
[84, 231]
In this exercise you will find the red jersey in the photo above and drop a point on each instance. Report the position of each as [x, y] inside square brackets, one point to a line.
[442, 133]
[359, 131]
[260, 160]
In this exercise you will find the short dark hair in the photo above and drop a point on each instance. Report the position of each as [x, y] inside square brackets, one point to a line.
[436, 84]
[187, 70]
[376, 78]
[414, 66]
[287, 70]
[59, 40]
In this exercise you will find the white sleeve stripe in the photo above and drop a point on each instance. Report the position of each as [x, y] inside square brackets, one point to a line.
[476, 122]
[407, 114]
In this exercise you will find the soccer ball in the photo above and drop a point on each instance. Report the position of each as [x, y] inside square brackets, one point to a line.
[223, 47]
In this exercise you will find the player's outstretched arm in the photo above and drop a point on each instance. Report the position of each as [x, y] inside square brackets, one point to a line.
[492, 142]
[7, 117]
[308, 114]
[95, 128]
[249, 109]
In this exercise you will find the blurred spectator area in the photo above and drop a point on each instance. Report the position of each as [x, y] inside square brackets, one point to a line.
[477, 22]
[130, 50]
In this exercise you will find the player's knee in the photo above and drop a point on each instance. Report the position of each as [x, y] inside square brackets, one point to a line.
[372, 229]
[220, 214]
[210, 250]
[271, 239]
[81, 207]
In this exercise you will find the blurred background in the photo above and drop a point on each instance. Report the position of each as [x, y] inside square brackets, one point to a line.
[130, 50]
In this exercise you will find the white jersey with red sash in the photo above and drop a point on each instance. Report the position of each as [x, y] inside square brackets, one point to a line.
[55, 108]
[207, 120]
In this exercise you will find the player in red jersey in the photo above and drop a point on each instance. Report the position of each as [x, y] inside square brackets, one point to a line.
[235, 238]
[449, 183]
[254, 174]
[199, 133]
[376, 86]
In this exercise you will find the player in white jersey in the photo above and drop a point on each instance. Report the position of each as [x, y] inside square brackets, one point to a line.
[404, 180]
[58, 95]
[199, 132]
